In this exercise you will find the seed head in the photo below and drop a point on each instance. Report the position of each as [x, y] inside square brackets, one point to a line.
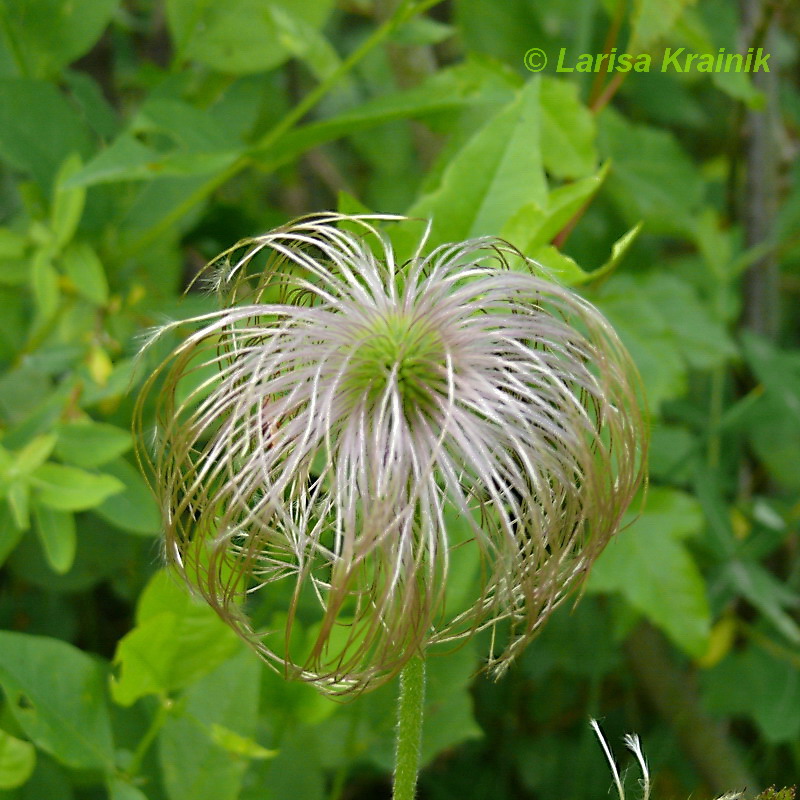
[346, 426]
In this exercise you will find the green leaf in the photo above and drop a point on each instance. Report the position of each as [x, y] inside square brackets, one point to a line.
[44, 282]
[652, 178]
[302, 40]
[56, 530]
[53, 33]
[759, 685]
[648, 564]
[10, 532]
[17, 760]
[534, 226]
[239, 37]
[57, 695]
[18, 498]
[121, 790]
[134, 509]
[87, 443]
[176, 641]
[564, 268]
[83, 267]
[652, 20]
[71, 489]
[67, 203]
[453, 88]
[239, 745]
[194, 766]
[568, 131]
[28, 105]
[34, 454]
[474, 200]
[666, 328]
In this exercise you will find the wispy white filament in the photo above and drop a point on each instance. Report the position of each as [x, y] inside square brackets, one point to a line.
[342, 414]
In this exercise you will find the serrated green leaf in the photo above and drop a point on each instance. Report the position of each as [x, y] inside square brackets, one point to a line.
[17, 760]
[72, 489]
[652, 20]
[568, 131]
[648, 564]
[87, 443]
[533, 227]
[57, 534]
[239, 38]
[83, 267]
[57, 695]
[176, 641]
[134, 509]
[477, 200]
[651, 178]
[67, 203]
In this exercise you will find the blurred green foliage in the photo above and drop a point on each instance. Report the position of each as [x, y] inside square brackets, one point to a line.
[138, 139]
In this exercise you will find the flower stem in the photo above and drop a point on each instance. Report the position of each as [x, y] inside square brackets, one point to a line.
[410, 709]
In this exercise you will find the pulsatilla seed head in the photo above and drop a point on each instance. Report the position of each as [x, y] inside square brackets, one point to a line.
[414, 452]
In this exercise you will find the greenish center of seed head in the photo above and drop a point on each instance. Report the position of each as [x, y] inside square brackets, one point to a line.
[402, 350]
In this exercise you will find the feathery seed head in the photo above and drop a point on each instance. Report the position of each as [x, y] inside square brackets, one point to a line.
[357, 431]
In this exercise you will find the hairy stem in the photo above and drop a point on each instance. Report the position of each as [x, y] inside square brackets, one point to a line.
[410, 710]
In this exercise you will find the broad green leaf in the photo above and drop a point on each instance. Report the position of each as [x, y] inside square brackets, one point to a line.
[760, 685]
[126, 158]
[495, 174]
[134, 509]
[53, 33]
[83, 267]
[57, 534]
[177, 640]
[194, 766]
[28, 105]
[651, 178]
[239, 37]
[533, 226]
[650, 566]
[652, 20]
[72, 489]
[67, 203]
[57, 695]
[666, 328]
[14, 267]
[302, 40]
[87, 443]
[568, 131]
[564, 268]
[17, 760]
[121, 790]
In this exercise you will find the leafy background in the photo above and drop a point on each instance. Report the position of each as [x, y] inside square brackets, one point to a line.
[139, 138]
